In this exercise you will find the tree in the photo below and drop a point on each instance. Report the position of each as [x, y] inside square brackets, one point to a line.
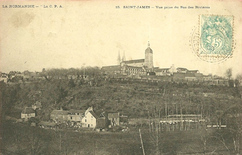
[71, 83]
[228, 73]
[233, 132]
[238, 80]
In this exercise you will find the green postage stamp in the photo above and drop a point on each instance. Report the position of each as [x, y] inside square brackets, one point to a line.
[215, 37]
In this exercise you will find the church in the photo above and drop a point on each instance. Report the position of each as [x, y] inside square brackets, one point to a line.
[133, 67]
[142, 67]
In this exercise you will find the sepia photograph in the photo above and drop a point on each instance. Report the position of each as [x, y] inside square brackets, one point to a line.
[89, 77]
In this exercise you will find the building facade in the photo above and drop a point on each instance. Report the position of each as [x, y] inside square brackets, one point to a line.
[27, 113]
[89, 120]
[133, 67]
[149, 57]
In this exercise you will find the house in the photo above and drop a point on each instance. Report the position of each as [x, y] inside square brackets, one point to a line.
[190, 77]
[207, 78]
[59, 116]
[114, 119]
[4, 77]
[124, 120]
[37, 105]
[102, 121]
[62, 116]
[75, 115]
[199, 76]
[90, 119]
[181, 70]
[27, 113]
[162, 71]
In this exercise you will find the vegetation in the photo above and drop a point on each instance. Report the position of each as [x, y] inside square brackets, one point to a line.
[19, 138]
[218, 104]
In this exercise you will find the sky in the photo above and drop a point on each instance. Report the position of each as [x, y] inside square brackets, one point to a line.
[92, 33]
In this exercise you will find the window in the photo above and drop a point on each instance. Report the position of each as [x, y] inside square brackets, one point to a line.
[85, 120]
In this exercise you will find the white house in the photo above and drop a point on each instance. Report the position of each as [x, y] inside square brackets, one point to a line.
[27, 113]
[90, 119]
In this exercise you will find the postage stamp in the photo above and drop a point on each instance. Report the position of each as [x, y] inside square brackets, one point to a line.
[214, 40]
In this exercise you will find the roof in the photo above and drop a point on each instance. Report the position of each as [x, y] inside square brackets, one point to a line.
[59, 112]
[28, 110]
[180, 68]
[93, 114]
[192, 70]
[148, 50]
[113, 115]
[101, 114]
[76, 111]
[134, 61]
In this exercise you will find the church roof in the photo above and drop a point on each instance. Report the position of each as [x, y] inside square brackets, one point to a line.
[134, 61]
[148, 50]
[116, 67]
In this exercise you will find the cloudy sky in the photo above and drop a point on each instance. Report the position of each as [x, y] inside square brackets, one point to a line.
[91, 33]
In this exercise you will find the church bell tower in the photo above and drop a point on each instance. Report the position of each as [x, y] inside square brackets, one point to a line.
[148, 57]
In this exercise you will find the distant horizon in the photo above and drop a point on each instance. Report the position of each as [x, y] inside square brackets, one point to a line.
[224, 76]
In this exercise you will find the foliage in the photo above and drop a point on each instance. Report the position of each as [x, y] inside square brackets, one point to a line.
[228, 73]
[135, 99]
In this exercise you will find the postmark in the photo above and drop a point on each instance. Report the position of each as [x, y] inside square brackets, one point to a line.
[213, 41]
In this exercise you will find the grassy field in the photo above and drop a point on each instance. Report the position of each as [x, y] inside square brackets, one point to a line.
[20, 138]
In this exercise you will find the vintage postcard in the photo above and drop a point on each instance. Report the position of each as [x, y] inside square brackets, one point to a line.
[111, 77]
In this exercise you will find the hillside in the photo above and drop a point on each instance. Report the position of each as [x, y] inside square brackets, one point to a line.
[136, 99]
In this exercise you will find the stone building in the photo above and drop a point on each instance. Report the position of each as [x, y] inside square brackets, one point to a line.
[133, 67]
